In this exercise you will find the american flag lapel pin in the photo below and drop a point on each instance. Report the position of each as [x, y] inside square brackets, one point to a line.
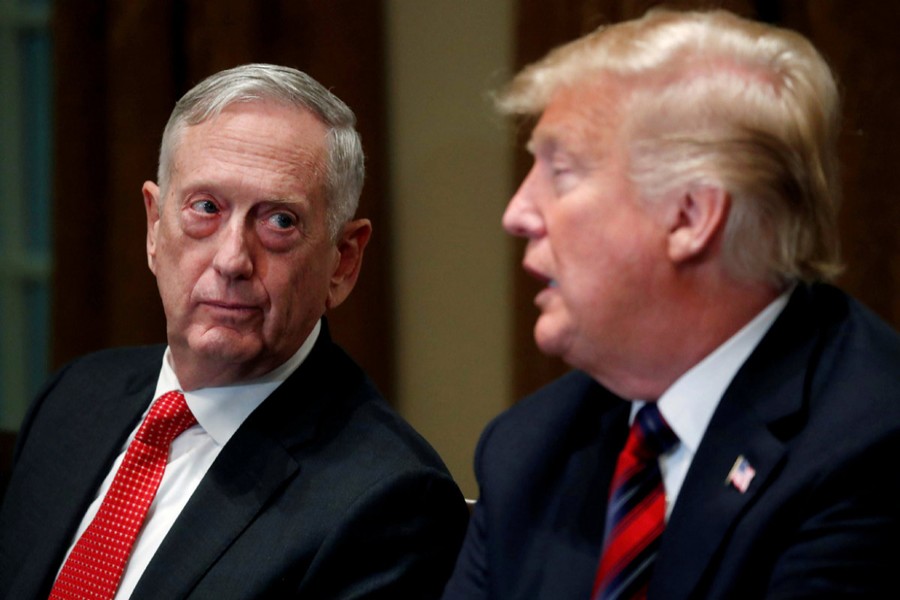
[741, 474]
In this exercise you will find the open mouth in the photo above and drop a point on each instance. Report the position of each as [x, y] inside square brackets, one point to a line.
[539, 276]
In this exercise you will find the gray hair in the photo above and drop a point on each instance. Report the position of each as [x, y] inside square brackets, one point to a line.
[714, 99]
[345, 165]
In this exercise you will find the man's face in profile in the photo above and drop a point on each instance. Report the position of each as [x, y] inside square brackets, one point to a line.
[590, 238]
[239, 245]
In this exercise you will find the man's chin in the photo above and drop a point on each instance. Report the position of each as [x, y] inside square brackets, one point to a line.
[225, 345]
[217, 364]
[549, 339]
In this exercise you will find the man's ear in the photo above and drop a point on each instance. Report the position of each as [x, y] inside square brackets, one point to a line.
[696, 221]
[152, 206]
[350, 248]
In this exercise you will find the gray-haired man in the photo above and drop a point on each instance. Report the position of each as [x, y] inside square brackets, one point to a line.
[296, 479]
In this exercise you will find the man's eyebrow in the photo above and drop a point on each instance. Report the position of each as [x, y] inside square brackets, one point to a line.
[542, 141]
[554, 135]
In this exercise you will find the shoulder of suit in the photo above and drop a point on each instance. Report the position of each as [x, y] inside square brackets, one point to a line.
[561, 398]
[124, 366]
[538, 421]
[131, 356]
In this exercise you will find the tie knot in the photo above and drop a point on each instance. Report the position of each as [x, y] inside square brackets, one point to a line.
[168, 418]
[650, 434]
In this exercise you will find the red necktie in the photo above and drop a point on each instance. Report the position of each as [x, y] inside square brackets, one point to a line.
[637, 507]
[97, 561]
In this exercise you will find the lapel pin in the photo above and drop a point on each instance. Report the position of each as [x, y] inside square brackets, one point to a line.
[741, 474]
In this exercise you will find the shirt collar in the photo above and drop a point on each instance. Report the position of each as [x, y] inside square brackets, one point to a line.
[221, 410]
[689, 403]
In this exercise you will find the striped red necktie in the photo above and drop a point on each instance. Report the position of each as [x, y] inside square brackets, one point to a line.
[97, 561]
[635, 516]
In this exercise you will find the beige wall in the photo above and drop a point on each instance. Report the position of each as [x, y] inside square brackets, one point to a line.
[450, 179]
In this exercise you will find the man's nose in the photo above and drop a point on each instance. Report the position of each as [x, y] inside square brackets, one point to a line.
[521, 217]
[233, 258]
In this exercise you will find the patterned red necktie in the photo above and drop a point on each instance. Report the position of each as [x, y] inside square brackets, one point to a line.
[97, 561]
[635, 517]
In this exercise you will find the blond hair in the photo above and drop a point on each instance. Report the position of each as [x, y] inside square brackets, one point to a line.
[714, 99]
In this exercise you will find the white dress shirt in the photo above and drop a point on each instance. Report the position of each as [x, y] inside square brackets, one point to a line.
[219, 412]
[689, 403]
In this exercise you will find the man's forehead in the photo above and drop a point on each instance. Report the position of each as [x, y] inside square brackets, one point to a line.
[549, 137]
[288, 134]
[575, 119]
[267, 121]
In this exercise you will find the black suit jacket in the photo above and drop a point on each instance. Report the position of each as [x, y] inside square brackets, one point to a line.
[323, 492]
[815, 410]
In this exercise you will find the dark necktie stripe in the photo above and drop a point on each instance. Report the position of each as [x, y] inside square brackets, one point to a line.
[636, 511]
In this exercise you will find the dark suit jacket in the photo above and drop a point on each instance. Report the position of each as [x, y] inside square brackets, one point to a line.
[815, 410]
[323, 492]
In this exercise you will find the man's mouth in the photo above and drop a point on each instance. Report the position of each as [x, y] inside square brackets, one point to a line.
[546, 280]
[230, 308]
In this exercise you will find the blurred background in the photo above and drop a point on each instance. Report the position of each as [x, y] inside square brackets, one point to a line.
[442, 315]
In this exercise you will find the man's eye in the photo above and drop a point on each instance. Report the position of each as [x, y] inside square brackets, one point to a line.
[560, 169]
[563, 178]
[282, 220]
[205, 206]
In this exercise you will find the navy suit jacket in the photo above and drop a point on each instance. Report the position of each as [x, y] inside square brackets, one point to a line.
[815, 410]
[323, 492]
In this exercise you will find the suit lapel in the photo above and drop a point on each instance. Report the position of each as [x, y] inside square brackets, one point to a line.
[582, 503]
[563, 498]
[96, 448]
[754, 419]
[89, 433]
[252, 467]
[708, 506]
